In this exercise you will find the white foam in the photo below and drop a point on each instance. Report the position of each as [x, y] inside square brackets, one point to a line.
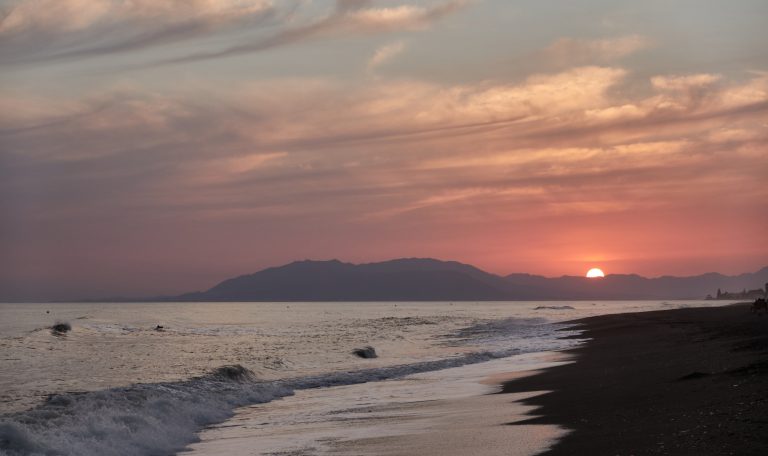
[163, 418]
[159, 418]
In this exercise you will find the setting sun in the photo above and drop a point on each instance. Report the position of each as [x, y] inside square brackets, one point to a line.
[595, 272]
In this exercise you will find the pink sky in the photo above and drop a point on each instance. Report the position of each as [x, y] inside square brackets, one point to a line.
[151, 149]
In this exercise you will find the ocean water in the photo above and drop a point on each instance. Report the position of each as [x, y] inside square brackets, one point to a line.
[259, 378]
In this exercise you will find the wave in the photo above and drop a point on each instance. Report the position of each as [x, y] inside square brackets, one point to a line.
[142, 419]
[506, 329]
[163, 418]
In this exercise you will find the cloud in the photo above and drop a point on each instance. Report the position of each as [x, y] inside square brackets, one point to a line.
[380, 167]
[349, 18]
[62, 15]
[290, 133]
[70, 15]
[35, 30]
[41, 30]
[385, 54]
[580, 51]
[688, 82]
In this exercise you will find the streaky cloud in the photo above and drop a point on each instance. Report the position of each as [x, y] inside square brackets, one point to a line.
[51, 30]
[32, 33]
[579, 51]
[385, 54]
[352, 18]
[278, 160]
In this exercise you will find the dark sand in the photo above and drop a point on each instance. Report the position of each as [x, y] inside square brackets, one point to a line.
[676, 382]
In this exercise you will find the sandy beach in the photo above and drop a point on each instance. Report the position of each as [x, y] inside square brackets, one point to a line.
[678, 382]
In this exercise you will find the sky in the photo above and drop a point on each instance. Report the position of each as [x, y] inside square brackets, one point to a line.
[152, 147]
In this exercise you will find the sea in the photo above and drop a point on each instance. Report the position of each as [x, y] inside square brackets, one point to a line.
[252, 378]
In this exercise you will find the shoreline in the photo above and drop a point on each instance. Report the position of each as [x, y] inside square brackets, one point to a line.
[446, 412]
[439, 411]
[683, 381]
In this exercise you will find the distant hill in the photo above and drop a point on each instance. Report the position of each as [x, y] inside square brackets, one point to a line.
[397, 280]
[424, 279]
[622, 286]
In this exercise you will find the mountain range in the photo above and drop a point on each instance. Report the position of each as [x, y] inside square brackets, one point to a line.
[425, 279]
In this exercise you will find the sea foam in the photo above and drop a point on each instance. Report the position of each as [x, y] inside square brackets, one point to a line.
[163, 418]
[142, 419]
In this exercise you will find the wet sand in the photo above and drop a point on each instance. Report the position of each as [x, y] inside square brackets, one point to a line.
[676, 382]
[446, 412]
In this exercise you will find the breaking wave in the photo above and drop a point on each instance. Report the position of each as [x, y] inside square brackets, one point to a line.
[142, 419]
[164, 418]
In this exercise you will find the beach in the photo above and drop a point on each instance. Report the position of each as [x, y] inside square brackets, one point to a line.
[689, 381]
[679, 382]
[580, 377]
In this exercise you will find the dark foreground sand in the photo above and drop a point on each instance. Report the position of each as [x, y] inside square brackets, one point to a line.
[677, 382]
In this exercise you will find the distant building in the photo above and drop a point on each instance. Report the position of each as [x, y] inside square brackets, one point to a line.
[743, 294]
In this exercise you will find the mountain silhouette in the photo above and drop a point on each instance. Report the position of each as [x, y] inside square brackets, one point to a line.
[426, 279]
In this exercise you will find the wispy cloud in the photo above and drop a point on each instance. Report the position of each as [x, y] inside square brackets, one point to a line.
[545, 131]
[24, 16]
[687, 82]
[385, 54]
[580, 51]
[256, 166]
[40, 30]
[348, 18]
[35, 30]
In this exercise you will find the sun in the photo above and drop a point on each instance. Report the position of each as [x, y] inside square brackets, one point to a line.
[595, 272]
